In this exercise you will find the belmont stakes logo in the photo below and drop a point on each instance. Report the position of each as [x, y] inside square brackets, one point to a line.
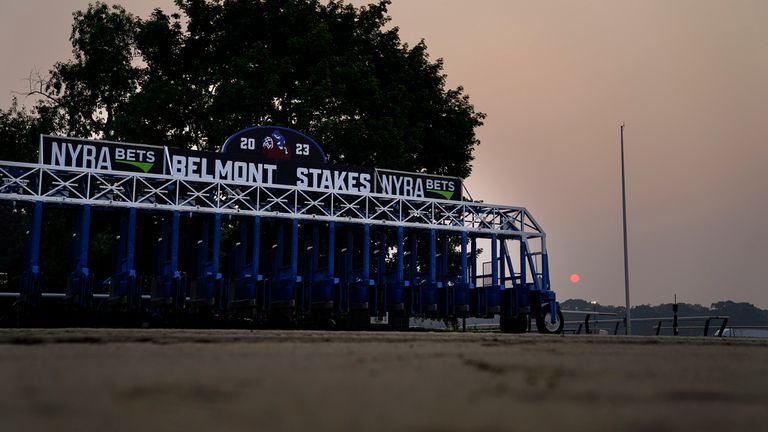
[265, 155]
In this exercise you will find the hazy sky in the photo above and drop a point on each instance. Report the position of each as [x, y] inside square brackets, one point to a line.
[556, 78]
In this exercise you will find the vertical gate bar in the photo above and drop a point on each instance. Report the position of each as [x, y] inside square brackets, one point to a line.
[494, 262]
[256, 244]
[382, 256]
[432, 256]
[502, 263]
[366, 253]
[279, 250]
[315, 255]
[131, 240]
[295, 248]
[444, 258]
[216, 247]
[414, 262]
[331, 248]
[400, 246]
[523, 264]
[464, 278]
[348, 258]
[473, 248]
[85, 230]
[35, 234]
[175, 241]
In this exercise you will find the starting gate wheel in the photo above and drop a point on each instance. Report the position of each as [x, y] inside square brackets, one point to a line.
[545, 324]
[518, 324]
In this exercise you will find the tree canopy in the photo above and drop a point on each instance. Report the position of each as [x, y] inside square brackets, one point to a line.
[336, 72]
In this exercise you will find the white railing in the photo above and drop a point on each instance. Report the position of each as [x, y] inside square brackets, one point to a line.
[36, 182]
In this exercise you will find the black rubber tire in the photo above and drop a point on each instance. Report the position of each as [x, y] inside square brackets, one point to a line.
[546, 327]
[517, 324]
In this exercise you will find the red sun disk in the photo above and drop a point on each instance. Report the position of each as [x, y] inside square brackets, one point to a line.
[575, 278]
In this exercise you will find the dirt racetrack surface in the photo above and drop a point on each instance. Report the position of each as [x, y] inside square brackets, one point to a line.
[239, 380]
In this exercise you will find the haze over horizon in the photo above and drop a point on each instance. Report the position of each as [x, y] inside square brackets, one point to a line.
[556, 79]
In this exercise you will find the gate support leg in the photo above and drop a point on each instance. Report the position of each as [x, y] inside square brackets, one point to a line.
[331, 248]
[366, 253]
[295, 249]
[179, 292]
[256, 242]
[31, 282]
[400, 246]
[79, 282]
[464, 278]
[133, 288]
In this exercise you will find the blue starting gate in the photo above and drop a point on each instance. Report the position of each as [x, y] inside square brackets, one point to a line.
[299, 251]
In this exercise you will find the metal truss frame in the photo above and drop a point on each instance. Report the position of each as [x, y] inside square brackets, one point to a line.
[49, 184]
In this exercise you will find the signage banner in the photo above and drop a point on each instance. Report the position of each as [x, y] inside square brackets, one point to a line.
[243, 167]
[101, 155]
[418, 185]
[336, 178]
[251, 169]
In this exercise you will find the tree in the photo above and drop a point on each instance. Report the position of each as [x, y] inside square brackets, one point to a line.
[333, 71]
[19, 129]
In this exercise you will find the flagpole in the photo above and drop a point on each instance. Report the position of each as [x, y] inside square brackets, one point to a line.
[626, 255]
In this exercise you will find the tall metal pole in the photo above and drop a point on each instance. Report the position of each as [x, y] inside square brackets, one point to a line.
[626, 256]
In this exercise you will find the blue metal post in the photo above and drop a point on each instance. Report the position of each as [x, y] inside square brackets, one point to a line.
[30, 283]
[532, 266]
[331, 248]
[414, 257]
[295, 249]
[34, 237]
[175, 241]
[502, 263]
[366, 253]
[523, 265]
[400, 247]
[216, 247]
[494, 262]
[382, 255]
[131, 240]
[444, 259]
[510, 267]
[315, 260]
[348, 260]
[432, 256]
[256, 242]
[85, 230]
[278, 256]
[473, 248]
[464, 278]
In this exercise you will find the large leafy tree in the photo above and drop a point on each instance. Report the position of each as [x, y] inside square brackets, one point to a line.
[332, 70]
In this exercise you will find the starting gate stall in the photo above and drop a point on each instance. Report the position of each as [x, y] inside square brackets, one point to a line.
[124, 289]
[311, 240]
[321, 280]
[247, 295]
[168, 289]
[206, 289]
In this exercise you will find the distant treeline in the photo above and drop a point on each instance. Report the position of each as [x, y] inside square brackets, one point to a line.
[740, 314]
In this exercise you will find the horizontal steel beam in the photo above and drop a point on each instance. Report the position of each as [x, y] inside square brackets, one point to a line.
[76, 186]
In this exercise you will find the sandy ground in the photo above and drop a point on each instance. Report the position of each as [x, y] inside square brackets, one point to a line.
[120, 380]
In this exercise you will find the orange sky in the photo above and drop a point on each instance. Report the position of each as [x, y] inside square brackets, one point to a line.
[689, 78]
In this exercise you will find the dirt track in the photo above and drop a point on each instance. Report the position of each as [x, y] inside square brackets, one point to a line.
[120, 380]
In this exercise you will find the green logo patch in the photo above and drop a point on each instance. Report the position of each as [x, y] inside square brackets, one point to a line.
[445, 194]
[144, 166]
